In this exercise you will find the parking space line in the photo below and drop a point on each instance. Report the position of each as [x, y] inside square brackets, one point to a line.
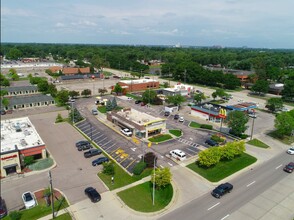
[124, 159]
[110, 147]
[107, 142]
[101, 135]
[192, 150]
[130, 163]
[189, 150]
[114, 150]
[102, 140]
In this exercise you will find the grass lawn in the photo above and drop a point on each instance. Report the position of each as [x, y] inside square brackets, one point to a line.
[40, 210]
[194, 124]
[41, 164]
[224, 168]
[139, 197]
[160, 138]
[102, 109]
[133, 96]
[176, 133]
[257, 143]
[121, 177]
[65, 216]
[286, 139]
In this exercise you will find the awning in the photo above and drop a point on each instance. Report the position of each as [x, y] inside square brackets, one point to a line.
[10, 165]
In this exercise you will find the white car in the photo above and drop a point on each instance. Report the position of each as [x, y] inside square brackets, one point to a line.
[181, 119]
[291, 151]
[126, 132]
[252, 115]
[29, 200]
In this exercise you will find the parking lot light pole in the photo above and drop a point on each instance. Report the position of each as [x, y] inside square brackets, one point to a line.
[252, 128]
[52, 193]
[73, 112]
[153, 194]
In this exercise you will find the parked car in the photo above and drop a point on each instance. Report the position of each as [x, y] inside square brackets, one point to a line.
[252, 115]
[3, 208]
[3, 112]
[166, 113]
[289, 167]
[138, 101]
[126, 132]
[94, 111]
[84, 147]
[93, 194]
[99, 161]
[92, 152]
[143, 103]
[222, 190]
[29, 200]
[181, 119]
[82, 142]
[178, 154]
[211, 142]
[176, 116]
[291, 151]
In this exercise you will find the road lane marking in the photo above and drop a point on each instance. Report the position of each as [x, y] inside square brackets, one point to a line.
[170, 164]
[213, 206]
[251, 183]
[225, 217]
[279, 166]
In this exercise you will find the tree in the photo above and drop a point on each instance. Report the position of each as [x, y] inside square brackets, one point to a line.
[3, 93]
[52, 90]
[214, 95]
[43, 86]
[86, 92]
[58, 118]
[288, 91]
[149, 159]
[199, 97]
[15, 77]
[161, 178]
[209, 157]
[117, 89]
[232, 149]
[62, 97]
[109, 106]
[231, 81]
[274, 104]
[108, 168]
[75, 116]
[165, 85]
[102, 91]
[5, 102]
[176, 99]
[14, 54]
[73, 94]
[261, 86]
[149, 96]
[284, 123]
[237, 120]
[114, 103]
[4, 81]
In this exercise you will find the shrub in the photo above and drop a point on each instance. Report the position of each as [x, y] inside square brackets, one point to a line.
[47, 192]
[149, 159]
[138, 169]
[15, 215]
[217, 138]
[108, 168]
[206, 126]
[29, 160]
[243, 136]
[59, 118]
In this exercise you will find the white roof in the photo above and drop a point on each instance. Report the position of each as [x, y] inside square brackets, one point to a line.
[138, 81]
[19, 133]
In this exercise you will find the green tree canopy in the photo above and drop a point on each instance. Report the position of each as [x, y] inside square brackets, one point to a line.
[86, 92]
[162, 177]
[199, 97]
[209, 157]
[149, 96]
[274, 104]
[261, 86]
[62, 96]
[237, 120]
[117, 88]
[176, 99]
[284, 123]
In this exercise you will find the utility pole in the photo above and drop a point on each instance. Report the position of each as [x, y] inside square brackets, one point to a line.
[153, 194]
[72, 112]
[252, 128]
[52, 193]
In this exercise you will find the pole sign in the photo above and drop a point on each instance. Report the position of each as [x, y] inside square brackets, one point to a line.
[222, 113]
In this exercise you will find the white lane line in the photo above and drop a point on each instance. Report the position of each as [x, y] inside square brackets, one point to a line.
[225, 217]
[251, 183]
[213, 206]
[170, 164]
[279, 166]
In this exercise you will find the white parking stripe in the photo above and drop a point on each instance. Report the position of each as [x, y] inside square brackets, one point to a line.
[279, 166]
[213, 206]
[251, 183]
[225, 217]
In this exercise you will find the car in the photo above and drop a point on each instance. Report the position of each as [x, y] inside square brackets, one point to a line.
[82, 142]
[3, 208]
[211, 142]
[138, 101]
[84, 147]
[181, 119]
[221, 190]
[94, 111]
[126, 132]
[92, 152]
[93, 194]
[29, 200]
[289, 167]
[291, 151]
[143, 104]
[99, 161]
[3, 112]
[176, 116]
[252, 115]
[166, 113]
[178, 154]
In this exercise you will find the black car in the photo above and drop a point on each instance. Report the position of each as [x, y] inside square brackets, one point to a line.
[138, 101]
[222, 190]
[84, 147]
[93, 194]
[99, 161]
[211, 142]
[166, 113]
[92, 152]
[176, 116]
[3, 209]
[289, 167]
[81, 143]
[3, 112]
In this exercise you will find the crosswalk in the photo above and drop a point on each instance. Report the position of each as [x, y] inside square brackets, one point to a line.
[190, 143]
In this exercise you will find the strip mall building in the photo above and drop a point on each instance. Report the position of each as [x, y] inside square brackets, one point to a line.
[19, 139]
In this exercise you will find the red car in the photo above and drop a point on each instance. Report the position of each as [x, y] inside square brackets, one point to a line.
[143, 104]
[289, 167]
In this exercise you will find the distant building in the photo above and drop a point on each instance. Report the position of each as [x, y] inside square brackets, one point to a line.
[276, 88]
[139, 84]
[141, 124]
[19, 139]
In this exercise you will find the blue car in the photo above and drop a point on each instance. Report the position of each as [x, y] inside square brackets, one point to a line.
[99, 161]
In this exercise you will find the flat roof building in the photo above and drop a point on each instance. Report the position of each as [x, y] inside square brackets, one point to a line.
[139, 84]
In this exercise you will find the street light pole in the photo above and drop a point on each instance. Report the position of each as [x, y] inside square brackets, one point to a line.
[72, 112]
[252, 128]
[52, 193]
[153, 194]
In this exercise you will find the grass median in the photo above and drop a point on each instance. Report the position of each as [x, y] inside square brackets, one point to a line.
[224, 168]
[160, 138]
[176, 133]
[257, 143]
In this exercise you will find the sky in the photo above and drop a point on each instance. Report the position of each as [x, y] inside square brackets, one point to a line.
[227, 23]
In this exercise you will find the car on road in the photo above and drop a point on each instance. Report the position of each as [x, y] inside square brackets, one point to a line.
[291, 151]
[138, 101]
[221, 190]
[93, 194]
[211, 142]
[126, 132]
[2, 112]
[181, 119]
[84, 147]
[82, 142]
[176, 116]
[289, 167]
[178, 154]
[92, 152]
[29, 200]
[166, 113]
[252, 115]
[99, 161]
[3, 208]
